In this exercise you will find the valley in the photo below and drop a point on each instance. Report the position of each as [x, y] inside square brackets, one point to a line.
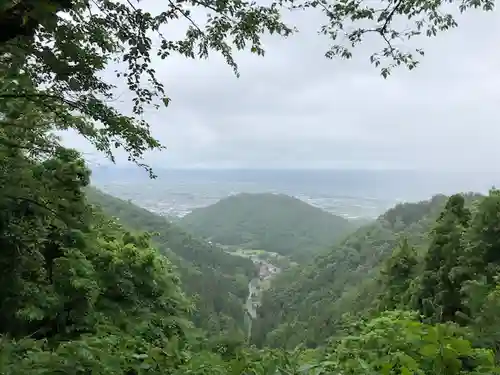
[265, 264]
[158, 217]
[310, 306]
[290, 297]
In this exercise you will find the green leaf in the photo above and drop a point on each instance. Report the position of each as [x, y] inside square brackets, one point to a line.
[461, 346]
[429, 350]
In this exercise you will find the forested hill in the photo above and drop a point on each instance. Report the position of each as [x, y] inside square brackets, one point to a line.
[272, 222]
[217, 280]
[306, 304]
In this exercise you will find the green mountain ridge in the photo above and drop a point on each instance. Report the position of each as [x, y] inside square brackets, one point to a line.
[272, 222]
[217, 280]
[89, 292]
[305, 304]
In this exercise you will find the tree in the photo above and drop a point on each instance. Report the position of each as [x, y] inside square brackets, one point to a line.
[79, 293]
[57, 254]
[397, 343]
[439, 297]
[62, 46]
[484, 238]
[397, 275]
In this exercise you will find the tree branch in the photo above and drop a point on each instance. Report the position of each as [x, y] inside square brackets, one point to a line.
[390, 16]
[26, 95]
[38, 204]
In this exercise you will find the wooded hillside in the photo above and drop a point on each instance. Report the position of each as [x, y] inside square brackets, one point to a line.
[272, 222]
[306, 304]
[216, 280]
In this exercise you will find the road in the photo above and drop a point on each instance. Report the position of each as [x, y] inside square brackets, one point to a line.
[255, 288]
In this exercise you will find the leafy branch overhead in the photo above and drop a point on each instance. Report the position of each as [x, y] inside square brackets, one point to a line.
[61, 46]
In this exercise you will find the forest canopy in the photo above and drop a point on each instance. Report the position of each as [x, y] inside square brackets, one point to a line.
[85, 293]
[272, 222]
[215, 280]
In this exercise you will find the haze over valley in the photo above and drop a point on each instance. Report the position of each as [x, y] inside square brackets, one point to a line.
[353, 194]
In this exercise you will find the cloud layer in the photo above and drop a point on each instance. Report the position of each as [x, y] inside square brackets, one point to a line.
[295, 108]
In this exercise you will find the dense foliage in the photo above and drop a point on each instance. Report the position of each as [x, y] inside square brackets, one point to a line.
[77, 288]
[216, 280]
[307, 304]
[271, 222]
[84, 294]
[87, 295]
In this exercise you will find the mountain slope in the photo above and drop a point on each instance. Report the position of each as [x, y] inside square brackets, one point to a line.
[306, 304]
[217, 280]
[272, 222]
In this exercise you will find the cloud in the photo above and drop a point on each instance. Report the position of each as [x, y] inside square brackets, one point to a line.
[295, 108]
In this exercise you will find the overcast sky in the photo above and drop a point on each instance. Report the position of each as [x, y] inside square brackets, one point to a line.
[295, 108]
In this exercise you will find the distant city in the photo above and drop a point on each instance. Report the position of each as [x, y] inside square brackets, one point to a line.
[351, 194]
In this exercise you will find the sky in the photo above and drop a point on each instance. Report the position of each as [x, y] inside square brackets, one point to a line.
[294, 108]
